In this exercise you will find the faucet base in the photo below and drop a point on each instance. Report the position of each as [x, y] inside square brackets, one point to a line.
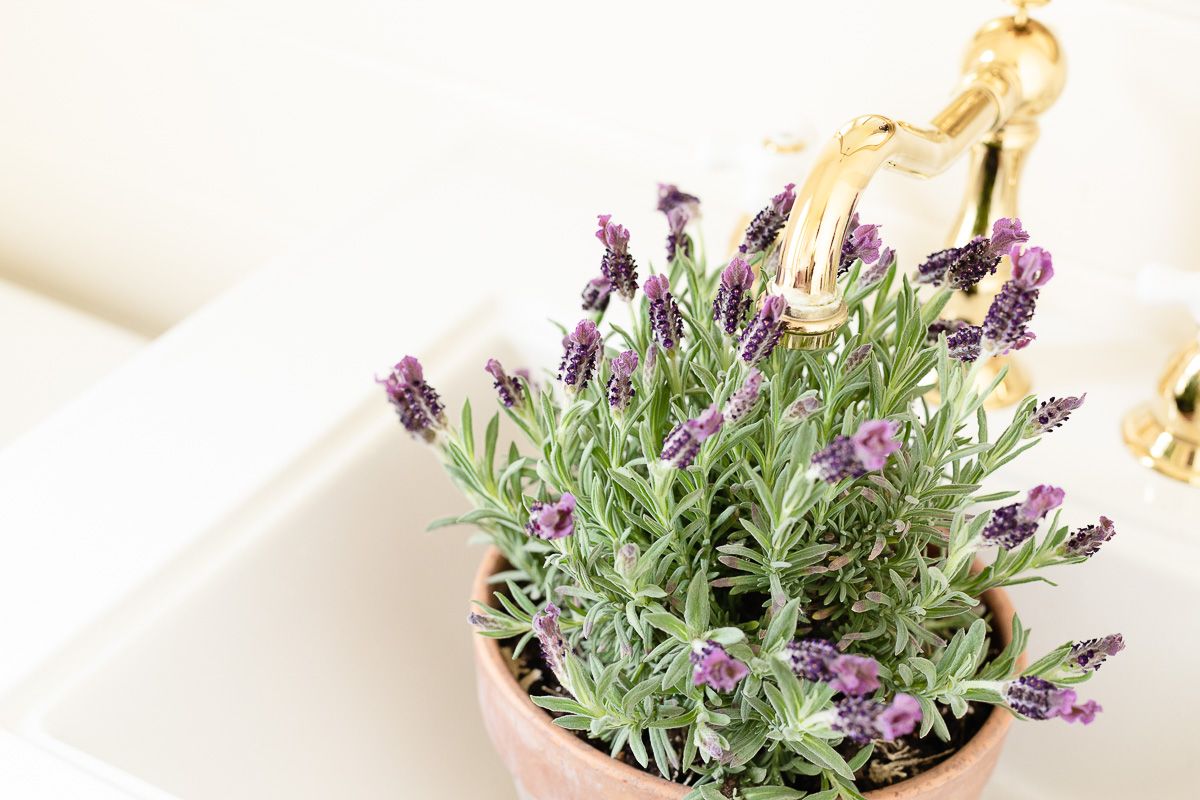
[1159, 448]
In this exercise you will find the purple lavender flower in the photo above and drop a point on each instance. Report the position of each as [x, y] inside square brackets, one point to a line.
[666, 321]
[1005, 326]
[1052, 414]
[862, 241]
[810, 658]
[510, 391]
[417, 404]
[861, 719]
[683, 444]
[1038, 698]
[552, 520]
[620, 382]
[1007, 529]
[933, 270]
[617, 265]
[767, 223]
[874, 441]
[1090, 654]
[1087, 541]
[1084, 714]
[713, 666]
[678, 241]
[900, 718]
[733, 295]
[946, 326]
[963, 267]
[743, 399]
[854, 675]
[852, 456]
[1015, 523]
[670, 197]
[554, 646]
[762, 334]
[964, 343]
[580, 349]
[596, 294]
[838, 461]
[856, 717]
[874, 273]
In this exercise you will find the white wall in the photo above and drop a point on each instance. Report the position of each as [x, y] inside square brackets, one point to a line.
[154, 151]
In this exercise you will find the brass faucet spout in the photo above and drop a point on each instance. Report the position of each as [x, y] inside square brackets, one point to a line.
[1013, 72]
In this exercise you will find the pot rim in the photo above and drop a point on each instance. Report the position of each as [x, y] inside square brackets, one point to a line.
[491, 662]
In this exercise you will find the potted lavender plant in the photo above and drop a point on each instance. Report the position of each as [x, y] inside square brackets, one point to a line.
[726, 569]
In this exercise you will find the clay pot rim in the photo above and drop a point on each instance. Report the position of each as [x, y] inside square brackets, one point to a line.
[492, 663]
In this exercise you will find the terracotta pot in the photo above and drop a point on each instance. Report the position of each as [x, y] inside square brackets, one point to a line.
[550, 763]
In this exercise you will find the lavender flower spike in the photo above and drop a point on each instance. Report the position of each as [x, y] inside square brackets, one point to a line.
[552, 520]
[837, 461]
[861, 719]
[1090, 654]
[417, 404]
[596, 293]
[670, 197]
[733, 296]
[666, 321]
[862, 242]
[620, 382]
[1038, 698]
[1086, 542]
[763, 332]
[617, 265]
[874, 441]
[963, 267]
[510, 391]
[1005, 326]
[580, 349]
[767, 224]
[964, 343]
[678, 241]
[810, 658]
[743, 400]
[852, 456]
[713, 666]
[554, 646]
[1052, 414]
[1015, 523]
[683, 444]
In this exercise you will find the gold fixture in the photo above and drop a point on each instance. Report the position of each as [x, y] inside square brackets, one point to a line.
[1165, 433]
[1013, 71]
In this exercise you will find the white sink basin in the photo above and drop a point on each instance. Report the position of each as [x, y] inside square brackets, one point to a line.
[315, 646]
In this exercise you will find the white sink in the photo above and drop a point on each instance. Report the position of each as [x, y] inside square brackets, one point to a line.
[314, 646]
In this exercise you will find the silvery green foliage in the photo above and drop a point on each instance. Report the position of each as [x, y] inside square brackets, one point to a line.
[746, 547]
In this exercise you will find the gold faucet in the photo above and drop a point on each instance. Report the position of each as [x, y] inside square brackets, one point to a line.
[1013, 71]
[1165, 433]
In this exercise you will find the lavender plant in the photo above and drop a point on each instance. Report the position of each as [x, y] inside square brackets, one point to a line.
[747, 566]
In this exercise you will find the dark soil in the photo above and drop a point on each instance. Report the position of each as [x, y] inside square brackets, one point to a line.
[890, 762]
